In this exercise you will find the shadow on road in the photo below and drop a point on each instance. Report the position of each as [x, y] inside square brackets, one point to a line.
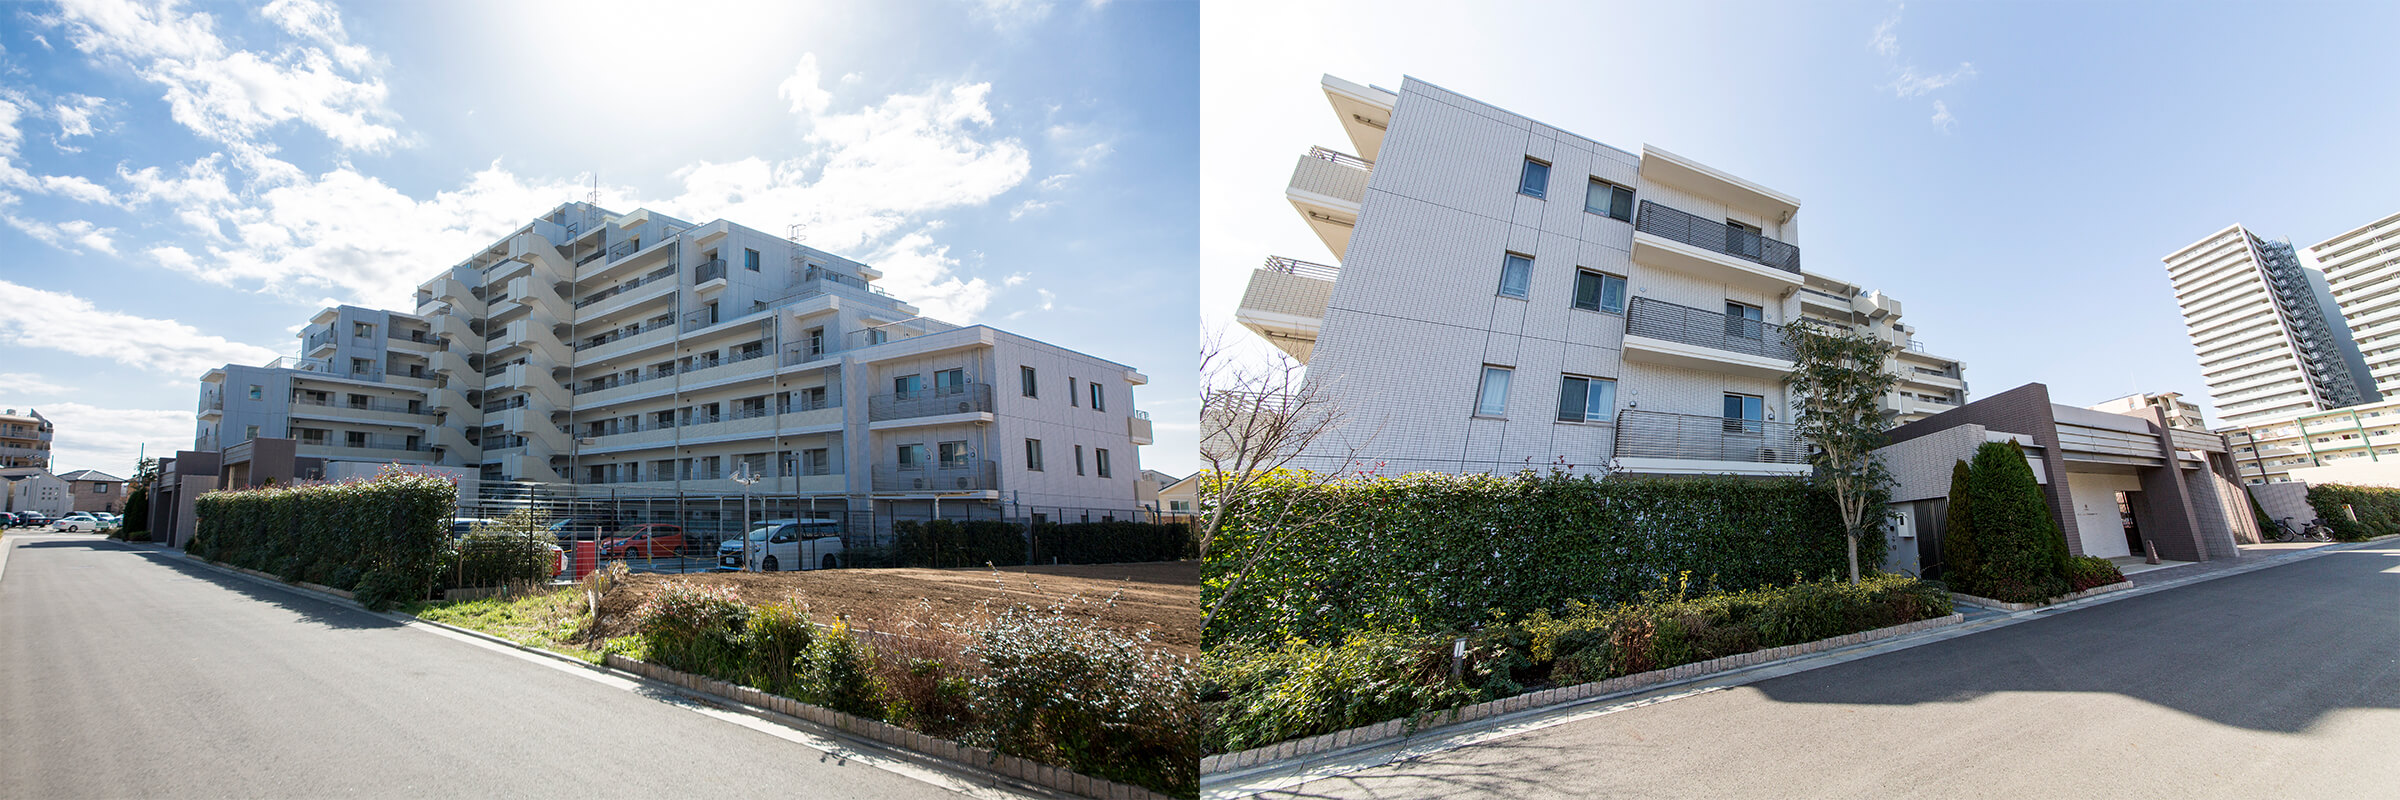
[2272, 650]
[327, 612]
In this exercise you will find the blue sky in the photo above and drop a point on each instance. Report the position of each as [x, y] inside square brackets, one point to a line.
[2012, 172]
[183, 183]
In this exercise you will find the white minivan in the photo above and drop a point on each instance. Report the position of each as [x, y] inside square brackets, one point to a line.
[785, 544]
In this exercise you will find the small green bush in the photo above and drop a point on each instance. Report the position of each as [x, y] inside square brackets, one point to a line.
[1063, 690]
[2378, 511]
[777, 639]
[515, 550]
[2088, 572]
[695, 629]
[841, 675]
[1267, 694]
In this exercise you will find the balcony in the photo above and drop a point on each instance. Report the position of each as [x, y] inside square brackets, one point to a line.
[709, 274]
[1670, 239]
[945, 477]
[1650, 442]
[1328, 188]
[1285, 303]
[1683, 337]
[973, 398]
[321, 340]
[370, 411]
[1138, 428]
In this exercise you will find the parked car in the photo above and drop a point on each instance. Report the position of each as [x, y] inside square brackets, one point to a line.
[785, 544]
[652, 540]
[32, 519]
[461, 526]
[77, 522]
[580, 528]
[8, 519]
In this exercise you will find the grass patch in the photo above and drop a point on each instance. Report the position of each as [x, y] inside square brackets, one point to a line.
[554, 621]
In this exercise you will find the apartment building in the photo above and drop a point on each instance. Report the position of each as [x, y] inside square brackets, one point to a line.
[2271, 339]
[2178, 412]
[1506, 295]
[34, 489]
[25, 439]
[2362, 270]
[646, 354]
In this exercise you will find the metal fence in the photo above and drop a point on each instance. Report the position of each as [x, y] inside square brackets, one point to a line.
[1650, 434]
[1675, 323]
[1716, 236]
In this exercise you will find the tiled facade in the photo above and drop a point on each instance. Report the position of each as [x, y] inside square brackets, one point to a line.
[1424, 223]
[2271, 342]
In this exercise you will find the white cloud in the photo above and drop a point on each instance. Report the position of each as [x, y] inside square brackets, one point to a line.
[1941, 116]
[45, 43]
[1883, 42]
[1009, 15]
[1027, 207]
[67, 235]
[1907, 80]
[918, 271]
[77, 187]
[1016, 279]
[802, 87]
[1912, 83]
[235, 96]
[111, 439]
[26, 384]
[48, 320]
[75, 115]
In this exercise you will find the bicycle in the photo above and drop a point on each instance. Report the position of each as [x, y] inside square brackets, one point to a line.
[2315, 531]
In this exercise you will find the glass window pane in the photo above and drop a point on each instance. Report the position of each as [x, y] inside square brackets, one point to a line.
[1612, 294]
[1494, 397]
[1571, 393]
[1600, 404]
[1516, 274]
[1588, 290]
[1537, 178]
[1733, 406]
[1596, 197]
[1620, 203]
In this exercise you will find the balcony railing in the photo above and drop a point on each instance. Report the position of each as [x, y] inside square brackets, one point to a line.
[967, 399]
[712, 269]
[1651, 434]
[1339, 157]
[1716, 236]
[1305, 269]
[320, 339]
[944, 476]
[369, 443]
[816, 273]
[371, 405]
[1674, 323]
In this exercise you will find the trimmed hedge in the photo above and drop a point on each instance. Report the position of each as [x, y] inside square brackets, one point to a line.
[1266, 693]
[2091, 572]
[974, 543]
[383, 539]
[2014, 548]
[2378, 510]
[1432, 551]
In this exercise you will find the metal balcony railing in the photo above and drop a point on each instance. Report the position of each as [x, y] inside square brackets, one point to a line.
[942, 476]
[817, 273]
[320, 339]
[967, 399]
[1339, 157]
[383, 406]
[1305, 269]
[1674, 323]
[709, 270]
[1651, 434]
[1716, 236]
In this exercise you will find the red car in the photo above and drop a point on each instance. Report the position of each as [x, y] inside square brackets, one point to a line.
[644, 541]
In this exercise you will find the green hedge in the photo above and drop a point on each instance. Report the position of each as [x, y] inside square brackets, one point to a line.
[974, 543]
[2001, 541]
[1263, 693]
[2378, 510]
[1431, 551]
[383, 539]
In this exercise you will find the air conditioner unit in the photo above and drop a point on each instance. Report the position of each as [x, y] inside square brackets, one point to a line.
[962, 482]
[965, 407]
[916, 483]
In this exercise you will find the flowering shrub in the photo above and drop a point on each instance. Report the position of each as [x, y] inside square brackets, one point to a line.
[2088, 572]
[382, 539]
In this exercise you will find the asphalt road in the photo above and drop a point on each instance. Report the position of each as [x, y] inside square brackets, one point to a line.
[2284, 682]
[127, 673]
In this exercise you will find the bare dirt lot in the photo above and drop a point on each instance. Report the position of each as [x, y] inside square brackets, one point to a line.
[1160, 598]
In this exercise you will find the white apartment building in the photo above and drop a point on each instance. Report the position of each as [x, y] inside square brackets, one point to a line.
[1507, 295]
[2271, 341]
[25, 439]
[2362, 269]
[2181, 413]
[645, 354]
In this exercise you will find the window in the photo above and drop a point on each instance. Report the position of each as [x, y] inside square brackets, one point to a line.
[355, 438]
[1028, 385]
[1079, 459]
[1742, 239]
[1071, 393]
[912, 457]
[1179, 505]
[362, 330]
[249, 432]
[1599, 291]
[816, 342]
[1492, 399]
[1742, 321]
[816, 461]
[1745, 413]
[950, 381]
[1099, 396]
[1516, 275]
[954, 455]
[254, 392]
[1586, 399]
[1536, 179]
[750, 260]
[907, 386]
[102, 488]
[1100, 461]
[1608, 200]
[1033, 455]
[811, 398]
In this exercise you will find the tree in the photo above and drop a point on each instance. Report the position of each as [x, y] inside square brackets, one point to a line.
[1839, 380]
[2020, 554]
[137, 498]
[1958, 530]
[1256, 419]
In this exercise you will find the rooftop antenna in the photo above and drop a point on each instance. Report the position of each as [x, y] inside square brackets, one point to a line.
[594, 197]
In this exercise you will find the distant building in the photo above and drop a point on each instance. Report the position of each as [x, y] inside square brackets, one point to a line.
[35, 489]
[93, 490]
[2180, 413]
[24, 439]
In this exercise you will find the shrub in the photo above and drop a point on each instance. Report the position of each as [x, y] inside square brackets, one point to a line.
[2087, 572]
[382, 538]
[2378, 510]
[694, 628]
[137, 510]
[1269, 693]
[1429, 551]
[1958, 534]
[512, 550]
[777, 639]
[840, 673]
[929, 693]
[2020, 556]
[1066, 691]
